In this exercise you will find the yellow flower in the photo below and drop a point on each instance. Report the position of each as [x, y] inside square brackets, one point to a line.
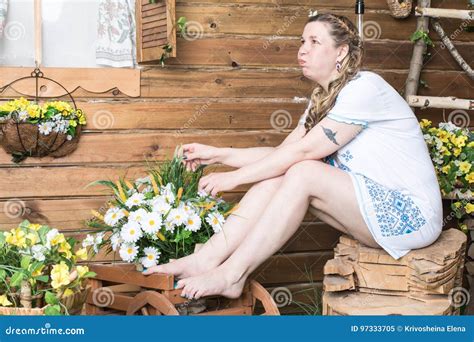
[34, 111]
[4, 300]
[60, 275]
[65, 248]
[72, 123]
[457, 205]
[470, 177]
[58, 239]
[446, 169]
[34, 226]
[464, 166]
[443, 136]
[81, 270]
[82, 253]
[37, 272]
[461, 141]
[16, 237]
[67, 292]
[471, 144]
[457, 151]
[469, 208]
[425, 123]
[33, 238]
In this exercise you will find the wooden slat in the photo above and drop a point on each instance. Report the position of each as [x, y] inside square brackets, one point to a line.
[263, 51]
[70, 214]
[137, 147]
[158, 82]
[248, 20]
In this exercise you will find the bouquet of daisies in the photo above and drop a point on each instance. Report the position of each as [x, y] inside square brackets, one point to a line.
[158, 217]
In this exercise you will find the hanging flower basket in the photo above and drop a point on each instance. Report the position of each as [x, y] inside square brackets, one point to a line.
[39, 128]
[400, 8]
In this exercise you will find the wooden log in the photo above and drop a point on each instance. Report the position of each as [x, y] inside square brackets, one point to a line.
[440, 102]
[444, 13]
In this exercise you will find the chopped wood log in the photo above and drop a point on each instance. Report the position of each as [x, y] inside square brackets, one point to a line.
[426, 275]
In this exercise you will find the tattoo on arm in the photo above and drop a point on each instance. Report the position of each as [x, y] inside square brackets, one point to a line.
[330, 134]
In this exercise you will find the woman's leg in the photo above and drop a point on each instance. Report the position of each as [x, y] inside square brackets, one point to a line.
[314, 182]
[220, 246]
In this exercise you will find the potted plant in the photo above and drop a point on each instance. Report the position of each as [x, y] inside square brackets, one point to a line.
[158, 217]
[39, 273]
[452, 151]
[31, 129]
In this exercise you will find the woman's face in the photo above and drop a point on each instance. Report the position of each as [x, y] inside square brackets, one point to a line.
[317, 54]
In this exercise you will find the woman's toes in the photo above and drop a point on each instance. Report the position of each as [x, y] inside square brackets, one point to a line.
[180, 284]
[153, 269]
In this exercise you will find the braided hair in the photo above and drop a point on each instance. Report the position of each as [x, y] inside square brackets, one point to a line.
[342, 31]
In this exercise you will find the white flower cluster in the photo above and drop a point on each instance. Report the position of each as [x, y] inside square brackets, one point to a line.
[57, 125]
[144, 218]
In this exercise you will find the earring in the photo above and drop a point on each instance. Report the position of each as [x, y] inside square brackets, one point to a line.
[338, 66]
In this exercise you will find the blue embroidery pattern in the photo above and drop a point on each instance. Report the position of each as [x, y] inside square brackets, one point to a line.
[347, 155]
[396, 213]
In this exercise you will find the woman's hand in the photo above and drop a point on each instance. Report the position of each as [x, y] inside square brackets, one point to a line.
[218, 182]
[195, 154]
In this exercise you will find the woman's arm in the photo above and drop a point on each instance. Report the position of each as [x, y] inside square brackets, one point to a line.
[239, 157]
[324, 139]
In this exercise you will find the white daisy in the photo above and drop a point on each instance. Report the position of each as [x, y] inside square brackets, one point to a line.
[88, 241]
[216, 220]
[131, 232]
[177, 216]
[193, 223]
[23, 115]
[151, 223]
[151, 257]
[169, 226]
[45, 128]
[113, 215]
[159, 204]
[38, 252]
[135, 200]
[97, 241]
[128, 252]
[137, 215]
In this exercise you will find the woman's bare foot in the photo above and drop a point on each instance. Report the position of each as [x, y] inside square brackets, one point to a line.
[218, 281]
[184, 267]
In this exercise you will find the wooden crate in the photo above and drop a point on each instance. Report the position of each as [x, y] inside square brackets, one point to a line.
[120, 289]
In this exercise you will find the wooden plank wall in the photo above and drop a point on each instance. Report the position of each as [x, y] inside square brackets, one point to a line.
[221, 90]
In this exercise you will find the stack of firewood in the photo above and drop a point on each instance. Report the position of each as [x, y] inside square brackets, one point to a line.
[367, 281]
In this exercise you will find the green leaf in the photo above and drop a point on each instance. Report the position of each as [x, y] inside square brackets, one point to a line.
[53, 310]
[3, 274]
[51, 298]
[25, 262]
[89, 274]
[42, 278]
[416, 35]
[16, 279]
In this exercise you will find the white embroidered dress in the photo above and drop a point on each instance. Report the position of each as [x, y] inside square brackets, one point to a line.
[389, 165]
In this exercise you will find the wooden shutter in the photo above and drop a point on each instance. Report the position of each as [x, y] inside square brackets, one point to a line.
[156, 27]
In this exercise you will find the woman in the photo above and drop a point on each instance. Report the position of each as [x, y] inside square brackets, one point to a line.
[357, 156]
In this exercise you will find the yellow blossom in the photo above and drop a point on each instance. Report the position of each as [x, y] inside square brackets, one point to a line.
[60, 275]
[65, 248]
[446, 169]
[469, 208]
[67, 292]
[34, 226]
[425, 123]
[443, 136]
[82, 253]
[72, 123]
[82, 270]
[4, 300]
[16, 237]
[38, 271]
[58, 239]
[470, 177]
[33, 238]
[457, 151]
[464, 166]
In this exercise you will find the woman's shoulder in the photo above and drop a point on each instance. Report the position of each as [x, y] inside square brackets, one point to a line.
[367, 77]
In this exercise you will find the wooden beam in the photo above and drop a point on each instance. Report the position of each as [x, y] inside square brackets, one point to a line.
[440, 102]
